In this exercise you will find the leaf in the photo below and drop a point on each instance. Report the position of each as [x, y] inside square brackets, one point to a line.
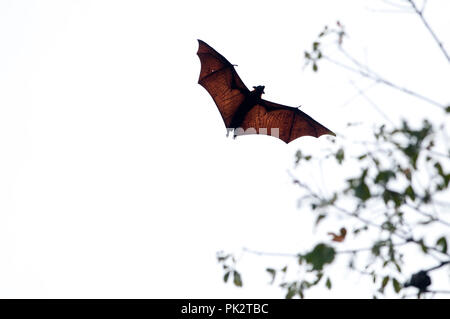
[292, 290]
[362, 191]
[384, 283]
[376, 248]
[423, 246]
[360, 158]
[397, 285]
[384, 176]
[340, 155]
[395, 197]
[237, 279]
[315, 46]
[319, 218]
[412, 151]
[387, 225]
[273, 273]
[442, 242]
[225, 277]
[358, 230]
[328, 283]
[409, 191]
[321, 255]
[315, 67]
[439, 169]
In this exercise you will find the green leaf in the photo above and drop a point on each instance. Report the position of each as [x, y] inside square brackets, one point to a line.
[321, 255]
[316, 46]
[319, 218]
[447, 109]
[442, 242]
[409, 191]
[315, 67]
[299, 156]
[273, 273]
[387, 225]
[384, 176]
[393, 196]
[384, 283]
[376, 248]
[328, 283]
[225, 277]
[358, 230]
[290, 294]
[423, 246]
[439, 169]
[340, 155]
[362, 157]
[237, 279]
[292, 291]
[362, 191]
[397, 285]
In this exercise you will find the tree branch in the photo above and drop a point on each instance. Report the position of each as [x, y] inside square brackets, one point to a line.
[424, 21]
[385, 82]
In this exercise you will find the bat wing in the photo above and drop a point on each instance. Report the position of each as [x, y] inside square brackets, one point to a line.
[221, 80]
[285, 122]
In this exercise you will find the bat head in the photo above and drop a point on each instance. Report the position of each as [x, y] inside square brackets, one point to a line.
[259, 89]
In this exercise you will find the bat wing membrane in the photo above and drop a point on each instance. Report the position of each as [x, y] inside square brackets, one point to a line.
[285, 122]
[221, 80]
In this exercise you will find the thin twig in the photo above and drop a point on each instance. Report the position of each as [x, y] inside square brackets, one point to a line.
[374, 105]
[442, 264]
[394, 4]
[402, 235]
[438, 291]
[274, 254]
[385, 82]
[424, 21]
[348, 251]
[431, 217]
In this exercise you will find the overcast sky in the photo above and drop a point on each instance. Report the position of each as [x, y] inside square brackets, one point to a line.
[116, 175]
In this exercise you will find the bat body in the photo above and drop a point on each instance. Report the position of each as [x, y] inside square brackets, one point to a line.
[244, 111]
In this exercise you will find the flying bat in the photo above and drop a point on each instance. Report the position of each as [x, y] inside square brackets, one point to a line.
[244, 111]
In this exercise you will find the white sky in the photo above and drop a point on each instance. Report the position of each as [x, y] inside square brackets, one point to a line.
[116, 177]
